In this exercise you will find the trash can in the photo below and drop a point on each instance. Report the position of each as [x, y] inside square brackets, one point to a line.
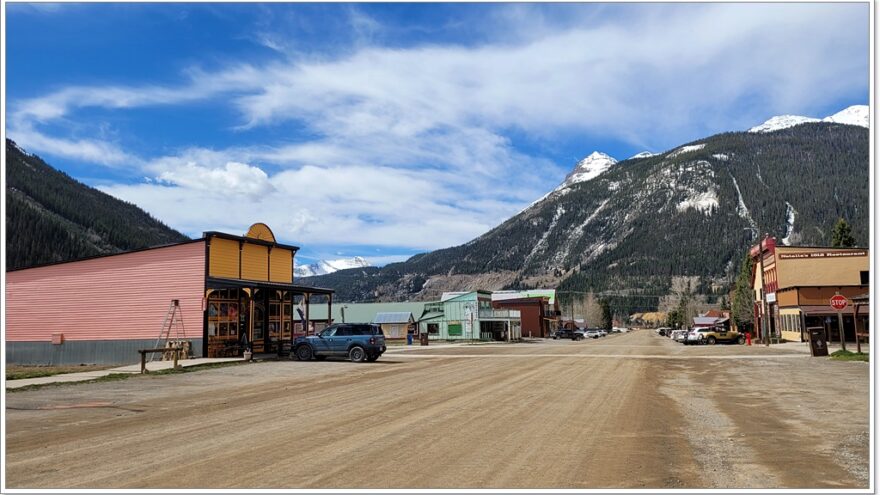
[818, 346]
[409, 339]
[423, 338]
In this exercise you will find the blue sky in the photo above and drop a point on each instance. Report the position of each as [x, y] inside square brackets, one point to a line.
[384, 130]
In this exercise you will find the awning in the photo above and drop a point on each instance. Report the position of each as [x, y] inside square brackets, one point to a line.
[822, 310]
[215, 282]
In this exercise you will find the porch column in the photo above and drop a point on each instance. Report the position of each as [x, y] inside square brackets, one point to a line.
[308, 320]
[329, 309]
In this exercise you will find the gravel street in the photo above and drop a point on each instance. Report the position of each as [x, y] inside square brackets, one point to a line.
[629, 410]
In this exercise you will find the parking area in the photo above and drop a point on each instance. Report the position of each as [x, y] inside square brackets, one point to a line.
[631, 410]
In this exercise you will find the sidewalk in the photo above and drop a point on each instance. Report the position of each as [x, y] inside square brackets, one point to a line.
[133, 369]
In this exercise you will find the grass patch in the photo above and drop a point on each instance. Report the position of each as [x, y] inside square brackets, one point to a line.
[842, 355]
[113, 377]
[14, 372]
[201, 367]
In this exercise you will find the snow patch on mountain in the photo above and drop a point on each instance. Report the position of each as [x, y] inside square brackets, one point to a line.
[644, 154]
[542, 243]
[687, 149]
[323, 267]
[741, 208]
[20, 149]
[790, 213]
[588, 169]
[700, 201]
[720, 156]
[780, 122]
[854, 115]
[859, 115]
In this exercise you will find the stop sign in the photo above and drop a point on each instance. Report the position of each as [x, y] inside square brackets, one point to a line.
[838, 302]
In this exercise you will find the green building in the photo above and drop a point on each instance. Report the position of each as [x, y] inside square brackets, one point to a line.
[469, 316]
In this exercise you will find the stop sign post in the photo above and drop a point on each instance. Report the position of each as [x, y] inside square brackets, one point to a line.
[839, 303]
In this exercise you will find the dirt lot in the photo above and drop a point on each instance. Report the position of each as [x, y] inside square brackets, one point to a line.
[627, 411]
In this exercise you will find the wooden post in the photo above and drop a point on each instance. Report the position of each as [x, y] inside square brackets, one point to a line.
[840, 329]
[856, 327]
[143, 362]
[176, 355]
[308, 320]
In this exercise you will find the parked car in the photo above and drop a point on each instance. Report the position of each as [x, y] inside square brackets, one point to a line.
[563, 333]
[592, 333]
[695, 336]
[578, 335]
[679, 335]
[357, 341]
[712, 335]
[603, 332]
[663, 330]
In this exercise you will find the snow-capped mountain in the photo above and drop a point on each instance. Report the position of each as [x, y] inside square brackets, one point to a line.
[588, 169]
[854, 115]
[691, 212]
[323, 267]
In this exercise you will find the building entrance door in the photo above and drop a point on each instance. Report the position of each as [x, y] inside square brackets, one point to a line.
[258, 322]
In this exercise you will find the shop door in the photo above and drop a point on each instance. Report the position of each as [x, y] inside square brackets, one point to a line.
[258, 326]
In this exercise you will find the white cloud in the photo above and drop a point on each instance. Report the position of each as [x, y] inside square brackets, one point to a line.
[233, 178]
[410, 147]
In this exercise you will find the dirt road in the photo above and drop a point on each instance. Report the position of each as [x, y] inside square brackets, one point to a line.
[627, 411]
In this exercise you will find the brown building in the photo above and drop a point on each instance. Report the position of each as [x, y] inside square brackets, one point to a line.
[539, 317]
[794, 286]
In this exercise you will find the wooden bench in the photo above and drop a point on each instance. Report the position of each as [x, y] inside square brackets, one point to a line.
[144, 352]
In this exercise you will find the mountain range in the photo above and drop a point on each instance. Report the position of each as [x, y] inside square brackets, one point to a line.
[323, 267]
[638, 225]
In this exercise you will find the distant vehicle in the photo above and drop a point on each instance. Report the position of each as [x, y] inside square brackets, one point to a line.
[679, 335]
[578, 335]
[592, 333]
[357, 341]
[563, 333]
[663, 331]
[619, 330]
[603, 332]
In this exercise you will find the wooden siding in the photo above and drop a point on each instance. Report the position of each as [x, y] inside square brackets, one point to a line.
[254, 262]
[281, 265]
[117, 297]
[224, 258]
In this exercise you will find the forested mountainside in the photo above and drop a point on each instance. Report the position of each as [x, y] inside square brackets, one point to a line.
[691, 211]
[52, 217]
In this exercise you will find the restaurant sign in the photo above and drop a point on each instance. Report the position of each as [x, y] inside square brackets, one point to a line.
[822, 254]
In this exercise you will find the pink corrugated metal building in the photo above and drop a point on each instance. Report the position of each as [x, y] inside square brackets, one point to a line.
[103, 309]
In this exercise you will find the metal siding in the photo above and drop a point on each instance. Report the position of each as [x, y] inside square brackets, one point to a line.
[111, 298]
[254, 262]
[281, 265]
[223, 260]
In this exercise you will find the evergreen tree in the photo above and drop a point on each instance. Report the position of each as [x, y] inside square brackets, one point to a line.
[607, 319]
[742, 311]
[841, 235]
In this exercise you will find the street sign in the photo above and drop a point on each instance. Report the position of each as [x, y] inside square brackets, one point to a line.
[839, 302]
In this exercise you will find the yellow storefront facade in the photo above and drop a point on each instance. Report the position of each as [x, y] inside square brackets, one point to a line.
[251, 302]
[794, 285]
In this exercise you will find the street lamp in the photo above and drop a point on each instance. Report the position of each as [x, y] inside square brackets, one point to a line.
[342, 310]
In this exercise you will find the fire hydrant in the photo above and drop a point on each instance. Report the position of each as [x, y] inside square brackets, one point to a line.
[748, 338]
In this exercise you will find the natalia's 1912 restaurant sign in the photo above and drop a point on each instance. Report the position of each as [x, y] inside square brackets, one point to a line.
[822, 254]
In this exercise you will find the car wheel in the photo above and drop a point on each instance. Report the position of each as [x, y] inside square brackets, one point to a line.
[304, 353]
[710, 340]
[741, 340]
[371, 358]
[357, 354]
